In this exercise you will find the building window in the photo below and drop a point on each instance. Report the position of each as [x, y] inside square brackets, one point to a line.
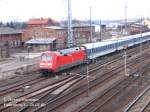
[18, 42]
[11, 44]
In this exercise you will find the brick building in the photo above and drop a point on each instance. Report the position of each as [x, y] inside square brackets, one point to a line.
[137, 28]
[41, 22]
[82, 33]
[42, 44]
[58, 33]
[42, 28]
[9, 38]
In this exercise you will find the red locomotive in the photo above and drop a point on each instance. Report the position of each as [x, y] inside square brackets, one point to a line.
[55, 61]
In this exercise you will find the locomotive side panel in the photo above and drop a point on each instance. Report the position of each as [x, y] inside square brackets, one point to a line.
[71, 59]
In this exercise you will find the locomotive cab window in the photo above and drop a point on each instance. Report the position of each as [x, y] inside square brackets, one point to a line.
[46, 58]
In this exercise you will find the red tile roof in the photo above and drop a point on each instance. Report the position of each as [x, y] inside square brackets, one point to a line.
[37, 21]
[41, 21]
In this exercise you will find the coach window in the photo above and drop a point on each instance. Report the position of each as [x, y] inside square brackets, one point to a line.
[88, 51]
[91, 50]
[104, 47]
[111, 46]
[107, 47]
[99, 48]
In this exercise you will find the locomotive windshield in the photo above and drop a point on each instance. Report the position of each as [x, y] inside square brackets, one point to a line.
[46, 57]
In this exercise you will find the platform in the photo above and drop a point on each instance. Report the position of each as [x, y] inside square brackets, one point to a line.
[19, 64]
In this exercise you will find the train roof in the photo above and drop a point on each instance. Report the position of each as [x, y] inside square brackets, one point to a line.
[69, 50]
[115, 40]
[48, 52]
[97, 44]
[63, 51]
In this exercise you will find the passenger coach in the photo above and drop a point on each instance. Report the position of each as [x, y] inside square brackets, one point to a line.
[97, 49]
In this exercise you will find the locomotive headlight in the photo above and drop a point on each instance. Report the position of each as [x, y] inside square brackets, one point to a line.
[42, 64]
[49, 64]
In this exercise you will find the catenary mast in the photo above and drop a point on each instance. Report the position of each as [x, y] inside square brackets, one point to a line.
[70, 42]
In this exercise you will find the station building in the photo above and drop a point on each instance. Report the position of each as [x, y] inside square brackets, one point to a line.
[45, 33]
[41, 44]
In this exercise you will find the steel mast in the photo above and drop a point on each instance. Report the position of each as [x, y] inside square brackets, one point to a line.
[70, 42]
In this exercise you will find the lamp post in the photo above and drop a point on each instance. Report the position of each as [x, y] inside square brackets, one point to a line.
[87, 77]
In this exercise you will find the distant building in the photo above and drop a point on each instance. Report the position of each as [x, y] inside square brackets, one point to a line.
[114, 25]
[46, 32]
[137, 28]
[146, 22]
[81, 34]
[9, 38]
[40, 44]
[41, 22]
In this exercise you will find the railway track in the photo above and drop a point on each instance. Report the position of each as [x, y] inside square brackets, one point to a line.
[98, 104]
[19, 85]
[44, 95]
[14, 80]
[59, 101]
[51, 95]
[4, 86]
[40, 93]
[140, 103]
[47, 95]
[48, 92]
[100, 101]
[147, 108]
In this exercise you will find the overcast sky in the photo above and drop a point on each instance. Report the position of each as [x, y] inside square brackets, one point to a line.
[22, 10]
